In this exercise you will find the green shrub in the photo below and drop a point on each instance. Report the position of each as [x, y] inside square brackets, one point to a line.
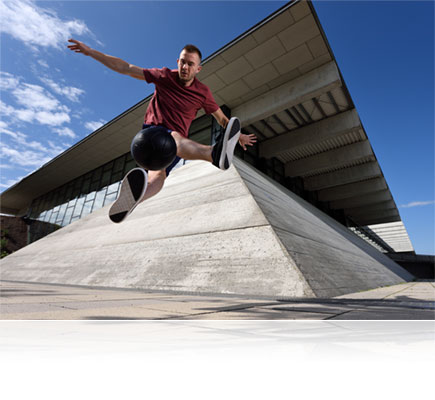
[4, 243]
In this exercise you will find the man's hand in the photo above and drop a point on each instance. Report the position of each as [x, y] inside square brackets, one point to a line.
[79, 47]
[114, 63]
[247, 140]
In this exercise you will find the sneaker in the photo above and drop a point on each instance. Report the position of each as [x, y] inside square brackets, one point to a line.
[133, 188]
[223, 151]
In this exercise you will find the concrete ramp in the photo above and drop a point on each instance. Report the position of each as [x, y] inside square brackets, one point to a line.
[210, 231]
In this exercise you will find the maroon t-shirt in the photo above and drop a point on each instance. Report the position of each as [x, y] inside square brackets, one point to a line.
[174, 105]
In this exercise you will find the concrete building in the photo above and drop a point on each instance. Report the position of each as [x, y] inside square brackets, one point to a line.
[311, 188]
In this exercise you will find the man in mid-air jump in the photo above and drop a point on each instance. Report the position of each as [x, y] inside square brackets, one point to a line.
[178, 96]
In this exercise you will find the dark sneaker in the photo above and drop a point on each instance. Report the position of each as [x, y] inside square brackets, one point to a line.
[223, 150]
[133, 187]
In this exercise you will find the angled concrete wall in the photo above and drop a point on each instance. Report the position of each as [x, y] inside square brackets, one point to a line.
[210, 231]
[332, 259]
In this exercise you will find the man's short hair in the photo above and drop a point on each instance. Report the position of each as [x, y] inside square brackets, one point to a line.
[191, 48]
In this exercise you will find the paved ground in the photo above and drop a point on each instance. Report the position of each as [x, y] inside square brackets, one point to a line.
[34, 301]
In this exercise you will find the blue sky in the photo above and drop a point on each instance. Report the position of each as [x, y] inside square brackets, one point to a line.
[51, 98]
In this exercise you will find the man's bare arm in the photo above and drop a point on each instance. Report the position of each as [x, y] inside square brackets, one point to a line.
[114, 63]
[244, 140]
[220, 117]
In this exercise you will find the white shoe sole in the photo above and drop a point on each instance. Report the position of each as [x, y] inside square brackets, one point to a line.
[231, 137]
[130, 195]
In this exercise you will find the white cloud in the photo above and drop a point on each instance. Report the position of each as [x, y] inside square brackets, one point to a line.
[37, 26]
[70, 92]
[65, 132]
[26, 158]
[43, 63]
[22, 140]
[6, 109]
[24, 114]
[25, 153]
[36, 102]
[55, 149]
[17, 136]
[37, 156]
[11, 182]
[35, 97]
[43, 117]
[52, 118]
[417, 204]
[94, 125]
[8, 81]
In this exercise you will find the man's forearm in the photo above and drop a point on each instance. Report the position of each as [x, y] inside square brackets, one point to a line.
[221, 118]
[114, 63]
[223, 121]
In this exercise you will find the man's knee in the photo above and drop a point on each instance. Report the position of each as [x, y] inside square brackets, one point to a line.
[159, 175]
[182, 143]
[177, 136]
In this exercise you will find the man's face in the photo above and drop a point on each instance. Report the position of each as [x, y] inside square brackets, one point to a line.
[188, 67]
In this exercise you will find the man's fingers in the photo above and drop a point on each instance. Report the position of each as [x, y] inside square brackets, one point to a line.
[76, 47]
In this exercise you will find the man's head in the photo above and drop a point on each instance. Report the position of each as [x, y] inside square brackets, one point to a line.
[189, 64]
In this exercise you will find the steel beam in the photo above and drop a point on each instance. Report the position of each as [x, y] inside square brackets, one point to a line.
[352, 189]
[343, 176]
[311, 134]
[374, 215]
[330, 159]
[312, 84]
[362, 201]
[383, 206]
[380, 220]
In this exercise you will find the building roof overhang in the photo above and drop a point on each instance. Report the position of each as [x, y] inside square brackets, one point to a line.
[281, 79]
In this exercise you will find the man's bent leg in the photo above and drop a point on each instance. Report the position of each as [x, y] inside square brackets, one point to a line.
[137, 186]
[190, 150]
[221, 154]
[156, 180]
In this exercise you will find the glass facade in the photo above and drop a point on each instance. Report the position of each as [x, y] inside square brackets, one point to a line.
[91, 191]
[79, 197]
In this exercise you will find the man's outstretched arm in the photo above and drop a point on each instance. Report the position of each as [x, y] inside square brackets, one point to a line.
[114, 63]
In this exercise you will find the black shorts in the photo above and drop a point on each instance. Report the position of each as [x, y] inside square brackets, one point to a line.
[176, 160]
